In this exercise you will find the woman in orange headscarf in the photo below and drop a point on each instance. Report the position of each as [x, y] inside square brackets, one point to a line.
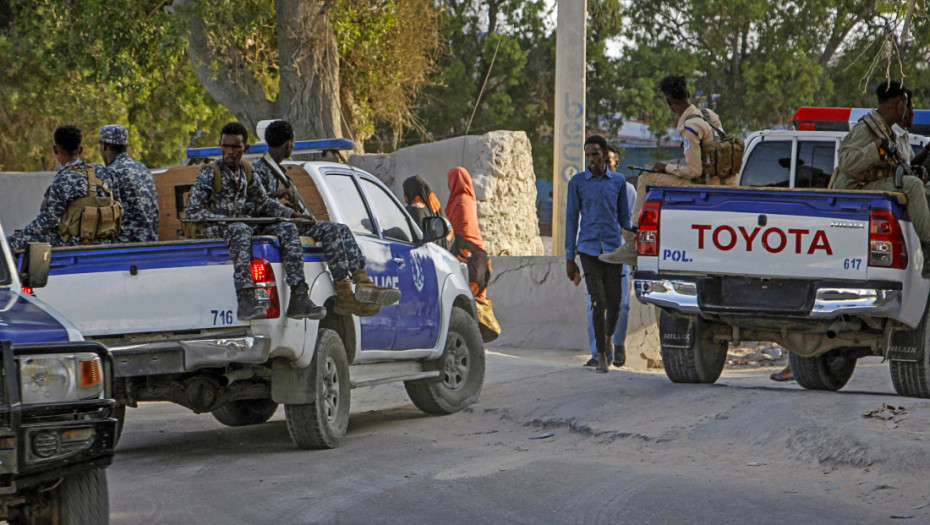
[462, 211]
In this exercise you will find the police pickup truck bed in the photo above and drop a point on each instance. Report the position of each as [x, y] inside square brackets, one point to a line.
[830, 275]
[167, 310]
[56, 426]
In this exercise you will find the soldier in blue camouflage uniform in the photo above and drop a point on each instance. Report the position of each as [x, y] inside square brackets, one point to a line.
[133, 186]
[343, 256]
[70, 183]
[239, 197]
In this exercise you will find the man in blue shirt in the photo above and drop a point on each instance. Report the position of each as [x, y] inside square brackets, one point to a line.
[598, 196]
[619, 358]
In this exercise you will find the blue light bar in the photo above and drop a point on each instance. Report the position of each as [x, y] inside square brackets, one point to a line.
[300, 145]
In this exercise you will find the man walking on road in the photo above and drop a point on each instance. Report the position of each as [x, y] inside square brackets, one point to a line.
[596, 210]
[619, 357]
[133, 186]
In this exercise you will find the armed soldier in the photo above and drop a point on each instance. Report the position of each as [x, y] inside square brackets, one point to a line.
[78, 207]
[868, 159]
[239, 193]
[697, 129]
[343, 255]
[133, 186]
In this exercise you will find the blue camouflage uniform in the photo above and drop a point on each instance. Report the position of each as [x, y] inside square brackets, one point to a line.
[69, 184]
[134, 187]
[342, 252]
[237, 198]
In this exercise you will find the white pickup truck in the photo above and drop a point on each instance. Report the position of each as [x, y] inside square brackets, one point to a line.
[830, 275]
[166, 310]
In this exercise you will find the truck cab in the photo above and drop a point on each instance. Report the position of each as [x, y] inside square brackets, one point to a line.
[805, 157]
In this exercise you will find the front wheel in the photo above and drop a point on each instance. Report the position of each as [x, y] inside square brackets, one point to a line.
[245, 412]
[462, 366]
[830, 371]
[323, 423]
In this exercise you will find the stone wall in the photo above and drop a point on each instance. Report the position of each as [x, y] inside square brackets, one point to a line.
[22, 194]
[501, 167]
[538, 307]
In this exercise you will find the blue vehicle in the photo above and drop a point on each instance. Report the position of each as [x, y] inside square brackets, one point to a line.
[167, 311]
[57, 429]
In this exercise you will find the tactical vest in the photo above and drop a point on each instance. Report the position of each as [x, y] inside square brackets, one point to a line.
[878, 171]
[196, 230]
[722, 158]
[92, 218]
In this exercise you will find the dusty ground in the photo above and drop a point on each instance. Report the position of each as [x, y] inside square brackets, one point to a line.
[624, 448]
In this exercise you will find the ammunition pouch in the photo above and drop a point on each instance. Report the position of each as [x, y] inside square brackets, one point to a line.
[722, 158]
[92, 218]
[197, 230]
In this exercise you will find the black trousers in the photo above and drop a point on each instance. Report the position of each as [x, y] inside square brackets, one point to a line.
[605, 286]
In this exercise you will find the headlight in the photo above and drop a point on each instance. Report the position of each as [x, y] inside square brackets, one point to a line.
[57, 378]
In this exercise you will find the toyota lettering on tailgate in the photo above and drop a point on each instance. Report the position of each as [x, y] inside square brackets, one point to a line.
[738, 243]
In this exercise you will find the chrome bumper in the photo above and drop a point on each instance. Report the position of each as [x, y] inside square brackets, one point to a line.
[176, 357]
[830, 302]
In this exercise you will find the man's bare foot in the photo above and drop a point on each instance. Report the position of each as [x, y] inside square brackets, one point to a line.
[784, 375]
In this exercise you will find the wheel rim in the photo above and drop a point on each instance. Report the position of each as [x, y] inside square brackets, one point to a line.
[330, 389]
[456, 366]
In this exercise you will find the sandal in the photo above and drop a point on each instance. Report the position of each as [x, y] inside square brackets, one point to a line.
[780, 378]
[591, 362]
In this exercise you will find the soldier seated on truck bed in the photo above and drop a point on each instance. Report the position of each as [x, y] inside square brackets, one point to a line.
[240, 192]
[868, 160]
[343, 256]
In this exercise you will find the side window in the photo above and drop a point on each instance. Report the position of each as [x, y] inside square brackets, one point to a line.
[392, 219]
[769, 165]
[814, 164]
[351, 203]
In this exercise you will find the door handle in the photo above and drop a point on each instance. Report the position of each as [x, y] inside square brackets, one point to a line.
[399, 261]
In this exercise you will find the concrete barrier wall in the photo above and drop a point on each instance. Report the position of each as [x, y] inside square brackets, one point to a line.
[20, 197]
[538, 307]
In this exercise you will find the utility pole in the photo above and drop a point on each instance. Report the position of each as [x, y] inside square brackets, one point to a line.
[568, 131]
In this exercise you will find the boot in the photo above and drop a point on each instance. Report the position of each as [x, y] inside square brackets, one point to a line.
[249, 308]
[625, 254]
[367, 292]
[301, 307]
[347, 304]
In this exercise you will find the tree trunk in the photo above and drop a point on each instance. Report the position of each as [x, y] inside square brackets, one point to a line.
[309, 67]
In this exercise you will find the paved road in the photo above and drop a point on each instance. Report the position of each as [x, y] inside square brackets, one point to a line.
[625, 448]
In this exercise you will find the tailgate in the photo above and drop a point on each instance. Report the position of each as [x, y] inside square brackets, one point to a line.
[766, 233]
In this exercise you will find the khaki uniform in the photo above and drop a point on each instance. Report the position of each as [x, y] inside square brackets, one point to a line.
[858, 154]
[694, 132]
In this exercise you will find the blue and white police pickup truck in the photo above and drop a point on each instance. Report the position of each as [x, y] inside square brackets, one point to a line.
[57, 432]
[167, 311]
[831, 275]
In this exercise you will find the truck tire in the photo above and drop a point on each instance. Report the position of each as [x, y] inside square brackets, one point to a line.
[911, 378]
[83, 499]
[245, 412]
[829, 371]
[323, 423]
[462, 365]
[701, 363]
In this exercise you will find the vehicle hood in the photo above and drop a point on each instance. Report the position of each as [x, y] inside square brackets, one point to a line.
[23, 319]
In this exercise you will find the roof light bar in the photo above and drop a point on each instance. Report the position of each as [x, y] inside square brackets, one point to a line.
[305, 146]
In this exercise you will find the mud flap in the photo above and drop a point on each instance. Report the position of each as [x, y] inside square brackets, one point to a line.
[905, 345]
[677, 332]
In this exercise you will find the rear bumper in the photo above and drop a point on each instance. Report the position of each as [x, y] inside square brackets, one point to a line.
[176, 357]
[812, 299]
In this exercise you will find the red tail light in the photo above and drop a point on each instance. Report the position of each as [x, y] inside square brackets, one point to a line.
[886, 241]
[265, 288]
[28, 290]
[647, 241]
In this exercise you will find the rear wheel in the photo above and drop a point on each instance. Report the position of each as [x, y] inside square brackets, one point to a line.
[462, 366]
[702, 361]
[323, 423]
[245, 412]
[829, 371]
[911, 376]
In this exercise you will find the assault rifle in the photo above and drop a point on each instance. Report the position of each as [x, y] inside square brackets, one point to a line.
[642, 169]
[251, 220]
[288, 184]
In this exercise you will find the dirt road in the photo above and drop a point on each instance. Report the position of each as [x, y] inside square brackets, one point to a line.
[624, 448]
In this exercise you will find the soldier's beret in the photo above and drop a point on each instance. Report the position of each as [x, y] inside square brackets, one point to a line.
[114, 134]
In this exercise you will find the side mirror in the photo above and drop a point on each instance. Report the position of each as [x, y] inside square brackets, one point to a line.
[435, 228]
[36, 263]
